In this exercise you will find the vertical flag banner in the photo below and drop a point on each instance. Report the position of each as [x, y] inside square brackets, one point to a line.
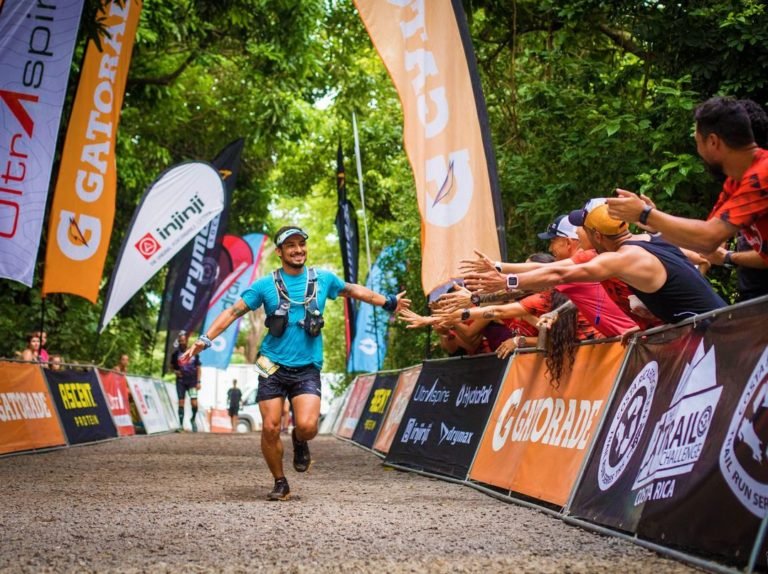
[36, 44]
[172, 211]
[219, 354]
[83, 207]
[346, 226]
[428, 52]
[370, 345]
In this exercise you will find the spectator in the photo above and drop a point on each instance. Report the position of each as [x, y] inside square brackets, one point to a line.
[43, 354]
[187, 379]
[55, 362]
[122, 364]
[658, 273]
[234, 399]
[32, 351]
[726, 143]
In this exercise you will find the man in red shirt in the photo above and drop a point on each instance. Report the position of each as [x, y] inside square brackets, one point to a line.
[725, 142]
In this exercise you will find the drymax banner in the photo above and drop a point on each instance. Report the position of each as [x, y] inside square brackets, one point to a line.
[428, 53]
[539, 434]
[36, 44]
[172, 211]
[84, 201]
[402, 394]
[375, 408]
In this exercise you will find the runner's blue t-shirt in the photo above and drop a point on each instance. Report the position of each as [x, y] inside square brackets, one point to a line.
[295, 348]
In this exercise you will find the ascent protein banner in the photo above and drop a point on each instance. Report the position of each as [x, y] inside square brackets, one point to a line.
[36, 44]
[28, 416]
[444, 421]
[539, 434]
[83, 206]
[681, 459]
[83, 410]
[358, 398]
[406, 382]
[378, 400]
[172, 211]
[116, 389]
[428, 52]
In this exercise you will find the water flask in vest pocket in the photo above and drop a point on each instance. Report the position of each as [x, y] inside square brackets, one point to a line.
[278, 321]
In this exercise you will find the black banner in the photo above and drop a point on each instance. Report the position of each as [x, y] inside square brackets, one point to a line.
[445, 418]
[681, 459]
[83, 410]
[346, 226]
[378, 400]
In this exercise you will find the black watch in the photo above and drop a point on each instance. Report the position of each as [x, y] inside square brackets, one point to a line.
[512, 281]
[465, 315]
[644, 214]
[475, 299]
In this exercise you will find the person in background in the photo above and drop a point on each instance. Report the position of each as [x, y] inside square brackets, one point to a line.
[43, 355]
[122, 364]
[54, 363]
[234, 399]
[187, 379]
[32, 351]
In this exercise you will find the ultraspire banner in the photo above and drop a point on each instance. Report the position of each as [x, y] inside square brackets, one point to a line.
[219, 354]
[83, 207]
[428, 53]
[172, 211]
[346, 226]
[36, 44]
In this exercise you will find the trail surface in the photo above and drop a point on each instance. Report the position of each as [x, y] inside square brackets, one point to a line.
[195, 503]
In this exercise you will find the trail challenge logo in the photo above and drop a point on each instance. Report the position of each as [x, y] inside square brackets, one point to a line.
[744, 455]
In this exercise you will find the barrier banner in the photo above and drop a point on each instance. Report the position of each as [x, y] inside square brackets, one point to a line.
[538, 435]
[342, 409]
[358, 397]
[220, 421]
[28, 417]
[400, 397]
[82, 407]
[375, 408]
[444, 420]
[681, 458]
[36, 44]
[334, 410]
[116, 390]
[169, 403]
[149, 404]
[427, 51]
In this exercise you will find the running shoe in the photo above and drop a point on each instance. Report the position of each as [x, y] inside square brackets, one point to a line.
[194, 425]
[301, 458]
[281, 491]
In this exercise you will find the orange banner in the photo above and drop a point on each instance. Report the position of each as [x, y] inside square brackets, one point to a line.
[427, 51]
[403, 391]
[219, 421]
[83, 206]
[538, 435]
[28, 417]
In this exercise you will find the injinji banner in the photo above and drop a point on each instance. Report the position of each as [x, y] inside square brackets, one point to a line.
[681, 459]
[220, 352]
[83, 410]
[427, 50]
[444, 420]
[369, 347]
[172, 211]
[399, 401]
[28, 417]
[346, 226]
[378, 400]
[83, 209]
[36, 44]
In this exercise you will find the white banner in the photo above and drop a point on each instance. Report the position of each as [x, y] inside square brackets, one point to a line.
[36, 44]
[148, 403]
[173, 210]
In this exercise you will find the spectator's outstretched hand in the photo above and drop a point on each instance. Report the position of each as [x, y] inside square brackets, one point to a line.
[627, 206]
[402, 302]
[506, 348]
[479, 265]
[416, 321]
[460, 298]
[548, 320]
[488, 282]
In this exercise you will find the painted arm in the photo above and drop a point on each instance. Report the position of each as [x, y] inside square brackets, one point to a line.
[219, 325]
[355, 291]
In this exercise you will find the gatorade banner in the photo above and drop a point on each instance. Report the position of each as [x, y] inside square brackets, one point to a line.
[539, 433]
[149, 404]
[358, 397]
[116, 390]
[428, 52]
[406, 382]
[681, 459]
[172, 211]
[444, 420]
[28, 417]
[375, 408]
[36, 44]
[220, 352]
[83, 207]
[83, 410]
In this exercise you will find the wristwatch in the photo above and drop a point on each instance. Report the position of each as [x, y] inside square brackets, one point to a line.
[512, 282]
[644, 214]
[727, 260]
[465, 315]
[205, 341]
[475, 299]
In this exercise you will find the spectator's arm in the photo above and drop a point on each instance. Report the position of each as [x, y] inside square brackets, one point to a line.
[602, 267]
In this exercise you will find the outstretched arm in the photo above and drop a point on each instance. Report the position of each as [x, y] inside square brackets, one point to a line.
[219, 325]
[601, 267]
[390, 303]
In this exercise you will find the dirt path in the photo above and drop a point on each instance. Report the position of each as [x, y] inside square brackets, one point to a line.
[195, 503]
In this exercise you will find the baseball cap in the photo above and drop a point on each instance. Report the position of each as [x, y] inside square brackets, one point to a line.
[286, 232]
[560, 227]
[594, 215]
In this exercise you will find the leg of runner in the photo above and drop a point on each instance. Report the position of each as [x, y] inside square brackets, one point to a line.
[306, 413]
[272, 447]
